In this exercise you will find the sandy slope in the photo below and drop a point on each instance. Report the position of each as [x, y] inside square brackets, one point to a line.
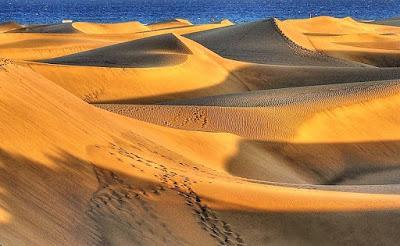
[299, 150]
[50, 41]
[132, 159]
[294, 123]
[147, 70]
[260, 42]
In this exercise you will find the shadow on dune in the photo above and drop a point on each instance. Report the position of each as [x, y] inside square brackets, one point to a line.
[264, 77]
[378, 59]
[316, 228]
[60, 196]
[55, 202]
[361, 163]
[157, 51]
[33, 192]
[53, 28]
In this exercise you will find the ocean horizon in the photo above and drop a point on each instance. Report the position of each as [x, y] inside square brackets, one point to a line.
[197, 11]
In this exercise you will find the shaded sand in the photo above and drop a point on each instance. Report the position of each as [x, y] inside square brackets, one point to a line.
[261, 42]
[179, 60]
[109, 166]
[53, 28]
[9, 26]
[390, 22]
[346, 39]
[299, 150]
[294, 123]
[155, 51]
[37, 46]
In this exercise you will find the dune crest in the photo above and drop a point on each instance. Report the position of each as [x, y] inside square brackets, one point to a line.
[210, 134]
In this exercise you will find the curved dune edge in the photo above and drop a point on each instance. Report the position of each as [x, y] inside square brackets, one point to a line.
[262, 42]
[153, 84]
[292, 128]
[106, 148]
[233, 153]
[294, 35]
[53, 45]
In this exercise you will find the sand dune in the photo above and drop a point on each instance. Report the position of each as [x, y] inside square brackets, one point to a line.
[391, 21]
[9, 26]
[179, 60]
[53, 28]
[255, 130]
[32, 46]
[346, 39]
[149, 52]
[260, 42]
[169, 24]
[47, 46]
[115, 28]
[288, 125]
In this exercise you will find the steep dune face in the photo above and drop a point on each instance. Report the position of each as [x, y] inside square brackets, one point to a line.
[42, 42]
[115, 28]
[230, 152]
[107, 165]
[155, 51]
[148, 70]
[260, 42]
[77, 182]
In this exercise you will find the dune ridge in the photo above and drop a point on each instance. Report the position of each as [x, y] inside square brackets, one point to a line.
[265, 133]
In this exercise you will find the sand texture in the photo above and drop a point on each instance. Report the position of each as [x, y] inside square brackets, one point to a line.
[172, 133]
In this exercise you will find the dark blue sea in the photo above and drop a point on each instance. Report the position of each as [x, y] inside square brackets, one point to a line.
[197, 11]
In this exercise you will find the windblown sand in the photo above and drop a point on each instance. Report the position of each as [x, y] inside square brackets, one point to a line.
[265, 133]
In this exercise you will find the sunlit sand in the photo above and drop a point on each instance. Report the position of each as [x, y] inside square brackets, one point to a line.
[264, 133]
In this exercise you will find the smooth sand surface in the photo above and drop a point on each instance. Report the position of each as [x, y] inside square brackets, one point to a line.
[265, 133]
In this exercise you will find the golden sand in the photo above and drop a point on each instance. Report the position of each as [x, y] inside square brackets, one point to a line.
[132, 134]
